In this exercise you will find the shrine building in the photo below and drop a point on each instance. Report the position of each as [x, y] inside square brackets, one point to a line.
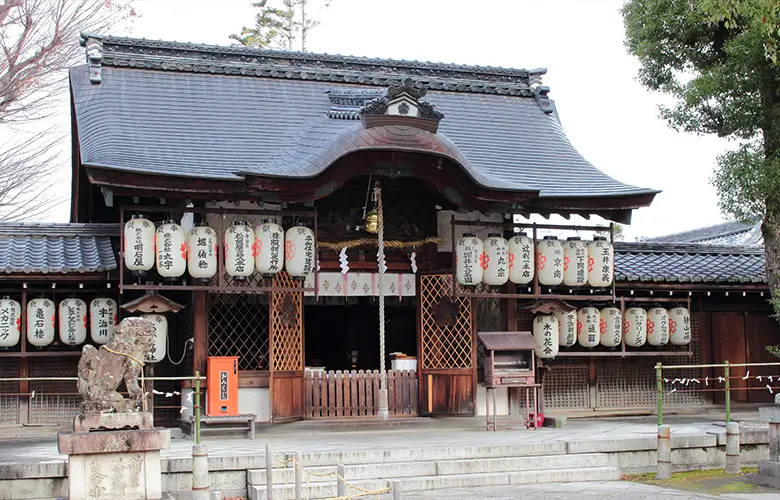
[266, 208]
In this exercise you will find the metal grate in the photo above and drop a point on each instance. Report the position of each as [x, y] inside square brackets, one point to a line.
[53, 401]
[238, 326]
[489, 316]
[566, 387]
[287, 325]
[446, 335]
[9, 400]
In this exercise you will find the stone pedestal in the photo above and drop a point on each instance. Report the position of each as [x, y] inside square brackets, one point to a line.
[114, 464]
[771, 415]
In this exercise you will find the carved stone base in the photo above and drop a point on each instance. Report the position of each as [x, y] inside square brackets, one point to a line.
[136, 420]
[114, 464]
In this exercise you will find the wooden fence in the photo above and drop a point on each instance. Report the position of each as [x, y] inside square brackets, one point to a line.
[355, 394]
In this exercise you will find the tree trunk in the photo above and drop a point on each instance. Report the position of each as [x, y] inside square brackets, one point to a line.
[770, 230]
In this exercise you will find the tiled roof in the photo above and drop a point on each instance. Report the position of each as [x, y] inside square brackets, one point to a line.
[717, 234]
[226, 112]
[57, 248]
[688, 263]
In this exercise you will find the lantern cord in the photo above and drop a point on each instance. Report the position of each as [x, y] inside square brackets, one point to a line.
[380, 255]
[183, 354]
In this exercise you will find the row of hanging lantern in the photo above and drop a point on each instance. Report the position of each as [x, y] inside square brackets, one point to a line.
[73, 320]
[267, 249]
[41, 321]
[591, 327]
[495, 261]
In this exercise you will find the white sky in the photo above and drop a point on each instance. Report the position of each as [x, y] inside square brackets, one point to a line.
[610, 119]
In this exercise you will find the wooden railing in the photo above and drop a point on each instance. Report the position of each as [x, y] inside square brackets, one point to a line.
[355, 394]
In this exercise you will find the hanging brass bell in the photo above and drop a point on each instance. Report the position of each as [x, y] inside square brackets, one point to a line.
[371, 222]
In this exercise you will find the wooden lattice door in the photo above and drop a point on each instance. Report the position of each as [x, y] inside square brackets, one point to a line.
[447, 349]
[286, 350]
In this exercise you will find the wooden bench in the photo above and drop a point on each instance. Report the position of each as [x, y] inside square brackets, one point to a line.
[217, 424]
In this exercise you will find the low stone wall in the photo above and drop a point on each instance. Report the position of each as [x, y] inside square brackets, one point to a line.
[229, 474]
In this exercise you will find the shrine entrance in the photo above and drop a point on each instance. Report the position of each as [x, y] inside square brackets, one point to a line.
[447, 348]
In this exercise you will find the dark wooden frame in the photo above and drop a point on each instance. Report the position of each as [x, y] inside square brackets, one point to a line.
[535, 286]
[222, 286]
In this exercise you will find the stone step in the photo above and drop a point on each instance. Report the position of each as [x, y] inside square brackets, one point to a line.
[321, 490]
[395, 470]
[431, 454]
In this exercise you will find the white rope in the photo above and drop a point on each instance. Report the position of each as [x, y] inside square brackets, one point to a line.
[380, 256]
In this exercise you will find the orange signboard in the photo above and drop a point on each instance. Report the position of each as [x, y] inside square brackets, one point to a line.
[222, 380]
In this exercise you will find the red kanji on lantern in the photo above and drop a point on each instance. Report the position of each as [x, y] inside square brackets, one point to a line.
[183, 249]
[672, 326]
[603, 326]
[18, 324]
[626, 327]
[257, 247]
[484, 260]
[511, 260]
[566, 263]
[591, 263]
[650, 326]
[579, 327]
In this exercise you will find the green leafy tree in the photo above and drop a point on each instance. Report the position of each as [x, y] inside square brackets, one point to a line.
[279, 27]
[717, 58]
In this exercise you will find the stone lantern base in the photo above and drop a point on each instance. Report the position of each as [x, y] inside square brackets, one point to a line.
[108, 464]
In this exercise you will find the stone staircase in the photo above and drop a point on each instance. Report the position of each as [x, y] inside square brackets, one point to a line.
[430, 469]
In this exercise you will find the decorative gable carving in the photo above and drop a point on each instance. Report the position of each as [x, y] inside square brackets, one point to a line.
[401, 106]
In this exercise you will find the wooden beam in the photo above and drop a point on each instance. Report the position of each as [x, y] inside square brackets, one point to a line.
[200, 329]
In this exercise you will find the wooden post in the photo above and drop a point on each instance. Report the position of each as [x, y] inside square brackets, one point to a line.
[298, 476]
[269, 473]
[200, 320]
[341, 487]
[149, 373]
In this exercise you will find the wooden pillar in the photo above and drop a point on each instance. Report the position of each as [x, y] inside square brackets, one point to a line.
[200, 327]
[24, 367]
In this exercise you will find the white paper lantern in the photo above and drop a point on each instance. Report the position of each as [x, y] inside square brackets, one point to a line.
[239, 238]
[588, 326]
[521, 259]
[40, 322]
[171, 246]
[679, 326]
[635, 326]
[10, 322]
[202, 252]
[657, 326]
[601, 258]
[546, 335]
[102, 319]
[610, 326]
[269, 243]
[73, 321]
[496, 271]
[139, 244]
[575, 266]
[567, 327]
[160, 322]
[299, 251]
[549, 261]
[468, 260]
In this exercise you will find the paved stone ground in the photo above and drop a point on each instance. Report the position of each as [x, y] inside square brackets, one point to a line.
[15, 448]
[617, 490]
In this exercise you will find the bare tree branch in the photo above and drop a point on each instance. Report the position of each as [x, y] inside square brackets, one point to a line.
[39, 41]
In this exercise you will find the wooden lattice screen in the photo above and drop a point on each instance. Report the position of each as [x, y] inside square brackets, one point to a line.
[287, 325]
[238, 326]
[446, 335]
[489, 316]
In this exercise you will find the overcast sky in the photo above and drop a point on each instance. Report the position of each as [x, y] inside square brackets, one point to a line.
[610, 119]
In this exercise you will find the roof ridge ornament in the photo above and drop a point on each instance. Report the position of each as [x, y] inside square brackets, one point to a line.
[401, 106]
[94, 49]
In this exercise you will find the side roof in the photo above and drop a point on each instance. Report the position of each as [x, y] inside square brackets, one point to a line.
[726, 233]
[57, 248]
[226, 113]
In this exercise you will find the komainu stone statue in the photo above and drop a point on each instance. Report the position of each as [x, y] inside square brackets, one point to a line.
[101, 371]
